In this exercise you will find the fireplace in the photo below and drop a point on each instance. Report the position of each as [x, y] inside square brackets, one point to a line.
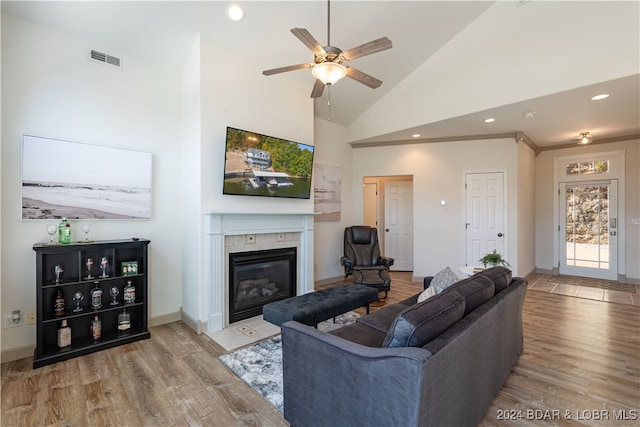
[227, 233]
[259, 277]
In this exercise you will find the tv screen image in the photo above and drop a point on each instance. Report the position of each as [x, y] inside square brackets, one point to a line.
[262, 165]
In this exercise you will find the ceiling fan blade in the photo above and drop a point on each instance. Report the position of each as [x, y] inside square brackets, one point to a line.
[363, 78]
[309, 41]
[318, 88]
[288, 68]
[374, 46]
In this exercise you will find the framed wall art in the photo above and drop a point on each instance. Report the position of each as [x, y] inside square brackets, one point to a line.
[83, 181]
[327, 192]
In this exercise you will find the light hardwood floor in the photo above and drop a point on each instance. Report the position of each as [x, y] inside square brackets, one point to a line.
[581, 360]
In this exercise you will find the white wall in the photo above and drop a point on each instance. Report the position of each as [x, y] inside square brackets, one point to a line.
[50, 88]
[525, 217]
[438, 173]
[545, 233]
[510, 54]
[233, 92]
[191, 201]
[332, 150]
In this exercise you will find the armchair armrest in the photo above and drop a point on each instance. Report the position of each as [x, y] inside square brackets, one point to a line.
[347, 263]
[386, 261]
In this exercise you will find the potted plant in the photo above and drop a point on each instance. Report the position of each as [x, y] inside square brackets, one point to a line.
[493, 259]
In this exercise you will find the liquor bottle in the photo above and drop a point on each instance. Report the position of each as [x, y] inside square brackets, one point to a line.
[129, 293]
[124, 322]
[96, 329]
[59, 304]
[64, 335]
[64, 232]
[96, 297]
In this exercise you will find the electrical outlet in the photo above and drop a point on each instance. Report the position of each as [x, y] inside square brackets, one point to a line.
[12, 320]
[31, 318]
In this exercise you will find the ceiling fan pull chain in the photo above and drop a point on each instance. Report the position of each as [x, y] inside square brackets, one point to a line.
[329, 100]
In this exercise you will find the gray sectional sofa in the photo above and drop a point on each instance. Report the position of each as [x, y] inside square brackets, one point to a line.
[439, 362]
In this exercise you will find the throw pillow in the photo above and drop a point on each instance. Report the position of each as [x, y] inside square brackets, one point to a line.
[427, 293]
[443, 280]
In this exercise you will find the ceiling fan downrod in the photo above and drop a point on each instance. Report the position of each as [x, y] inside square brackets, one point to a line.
[328, 22]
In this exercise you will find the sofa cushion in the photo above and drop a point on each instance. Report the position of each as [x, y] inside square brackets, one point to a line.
[417, 325]
[360, 334]
[476, 290]
[383, 318]
[443, 279]
[501, 277]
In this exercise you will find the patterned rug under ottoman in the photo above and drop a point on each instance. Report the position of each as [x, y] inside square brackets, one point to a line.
[260, 364]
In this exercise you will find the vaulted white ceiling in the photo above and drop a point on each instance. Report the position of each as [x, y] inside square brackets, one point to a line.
[419, 30]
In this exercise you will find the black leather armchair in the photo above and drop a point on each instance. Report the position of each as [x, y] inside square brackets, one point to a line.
[362, 250]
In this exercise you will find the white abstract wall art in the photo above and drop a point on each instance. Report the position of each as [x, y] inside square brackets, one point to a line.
[327, 192]
[82, 181]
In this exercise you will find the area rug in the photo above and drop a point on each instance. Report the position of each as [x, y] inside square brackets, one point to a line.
[260, 365]
[592, 283]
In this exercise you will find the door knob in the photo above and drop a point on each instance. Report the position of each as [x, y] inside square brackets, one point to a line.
[499, 234]
[387, 230]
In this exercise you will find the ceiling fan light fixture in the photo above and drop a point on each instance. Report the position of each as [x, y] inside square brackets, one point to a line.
[329, 72]
[585, 138]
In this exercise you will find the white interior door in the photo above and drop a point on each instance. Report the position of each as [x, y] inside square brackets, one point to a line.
[398, 217]
[588, 232]
[485, 218]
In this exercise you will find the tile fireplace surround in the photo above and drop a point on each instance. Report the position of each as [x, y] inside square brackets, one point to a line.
[240, 232]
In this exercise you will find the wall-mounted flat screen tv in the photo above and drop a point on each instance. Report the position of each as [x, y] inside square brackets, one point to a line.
[262, 165]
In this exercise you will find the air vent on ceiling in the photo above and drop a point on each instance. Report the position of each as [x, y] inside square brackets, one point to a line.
[104, 58]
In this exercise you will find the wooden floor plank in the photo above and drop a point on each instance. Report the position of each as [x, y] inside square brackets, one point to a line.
[580, 356]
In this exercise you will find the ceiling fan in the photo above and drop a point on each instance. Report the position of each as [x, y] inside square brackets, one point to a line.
[327, 66]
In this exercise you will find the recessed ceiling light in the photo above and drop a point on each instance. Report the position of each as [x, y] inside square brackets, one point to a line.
[415, 135]
[599, 97]
[489, 120]
[235, 12]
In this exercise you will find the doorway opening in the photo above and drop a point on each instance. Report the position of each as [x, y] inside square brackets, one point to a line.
[388, 206]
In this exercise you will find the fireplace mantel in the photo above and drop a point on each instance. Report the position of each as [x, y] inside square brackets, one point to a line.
[219, 225]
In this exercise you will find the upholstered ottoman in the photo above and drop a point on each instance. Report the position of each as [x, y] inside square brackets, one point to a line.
[315, 307]
[377, 278]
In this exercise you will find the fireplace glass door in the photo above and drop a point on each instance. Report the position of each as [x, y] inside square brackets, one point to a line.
[257, 278]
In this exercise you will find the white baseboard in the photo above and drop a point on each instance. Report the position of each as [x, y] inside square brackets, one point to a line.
[17, 353]
[329, 280]
[197, 325]
[165, 318]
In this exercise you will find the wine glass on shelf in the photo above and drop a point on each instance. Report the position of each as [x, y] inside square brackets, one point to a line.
[78, 297]
[114, 293]
[51, 230]
[104, 265]
[85, 229]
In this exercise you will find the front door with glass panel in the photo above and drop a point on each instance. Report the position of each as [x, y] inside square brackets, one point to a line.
[588, 229]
